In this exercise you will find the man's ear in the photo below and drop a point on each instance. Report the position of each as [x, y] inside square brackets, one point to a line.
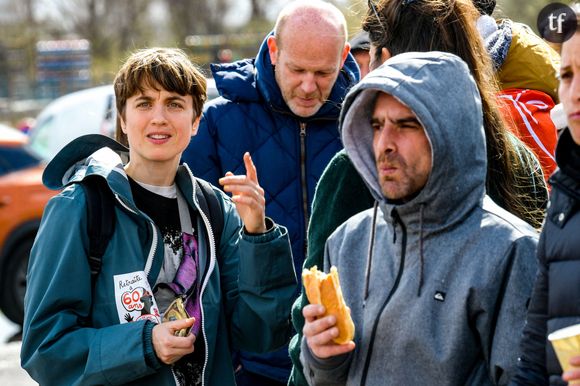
[195, 126]
[272, 49]
[345, 52]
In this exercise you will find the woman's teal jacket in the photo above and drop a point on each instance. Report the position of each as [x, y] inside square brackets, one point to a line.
[73, 334]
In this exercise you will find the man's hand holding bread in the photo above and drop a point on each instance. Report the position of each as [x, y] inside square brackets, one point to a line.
[328, 327]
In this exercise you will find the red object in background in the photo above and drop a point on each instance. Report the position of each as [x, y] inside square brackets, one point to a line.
[530, 121]
[25, 125]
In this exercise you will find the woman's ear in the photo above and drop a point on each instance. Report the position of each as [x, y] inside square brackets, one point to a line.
[123, 124]
[195, 126]
[385, 55]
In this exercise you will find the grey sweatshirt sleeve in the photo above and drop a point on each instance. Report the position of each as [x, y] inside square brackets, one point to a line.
[500, 326]
[326, 372]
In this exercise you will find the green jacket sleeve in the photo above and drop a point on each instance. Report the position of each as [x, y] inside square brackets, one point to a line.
[340, 194]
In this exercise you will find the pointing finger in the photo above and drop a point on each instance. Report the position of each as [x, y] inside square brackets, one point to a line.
[251, 172]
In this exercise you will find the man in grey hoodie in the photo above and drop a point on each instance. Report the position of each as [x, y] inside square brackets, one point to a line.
[437, 276]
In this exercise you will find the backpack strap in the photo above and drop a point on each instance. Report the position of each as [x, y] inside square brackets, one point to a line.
[212, 208]
[100, 220]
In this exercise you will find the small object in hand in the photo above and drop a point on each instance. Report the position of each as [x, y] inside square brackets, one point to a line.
[176, 311]
[566, 343]
[322, 288]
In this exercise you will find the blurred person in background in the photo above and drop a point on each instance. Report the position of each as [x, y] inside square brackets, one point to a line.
[514, 177]
[555, 300]
[283, 107]
[359, 48]
[85, 330]
[526, 69]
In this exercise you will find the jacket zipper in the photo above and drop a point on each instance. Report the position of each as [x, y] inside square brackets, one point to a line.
[396, 220]
[149, 262]
[303, 178]
[212, 254]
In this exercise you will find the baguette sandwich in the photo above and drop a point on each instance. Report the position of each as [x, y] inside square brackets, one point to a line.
[325, 289]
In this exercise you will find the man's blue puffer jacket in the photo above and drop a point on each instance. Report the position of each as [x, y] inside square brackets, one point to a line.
[289, 152]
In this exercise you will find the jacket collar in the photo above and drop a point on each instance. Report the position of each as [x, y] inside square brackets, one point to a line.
[253, 80]
[568, 156]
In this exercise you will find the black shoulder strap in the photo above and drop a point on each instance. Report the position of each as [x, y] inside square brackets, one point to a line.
[100, 220]
[212, 208]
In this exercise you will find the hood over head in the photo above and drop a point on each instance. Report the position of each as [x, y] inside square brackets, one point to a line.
[439, 89]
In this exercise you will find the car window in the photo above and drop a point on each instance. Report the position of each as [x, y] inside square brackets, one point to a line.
[43, 127]
[16, 158]
[70, 117]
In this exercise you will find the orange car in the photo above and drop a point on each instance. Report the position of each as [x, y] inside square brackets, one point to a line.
[22, 200]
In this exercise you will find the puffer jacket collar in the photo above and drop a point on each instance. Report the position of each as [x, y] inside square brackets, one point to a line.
[253, 80]
[568, 155]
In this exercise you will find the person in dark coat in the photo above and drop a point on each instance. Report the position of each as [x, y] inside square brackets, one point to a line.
[359, 48]
[555, 300]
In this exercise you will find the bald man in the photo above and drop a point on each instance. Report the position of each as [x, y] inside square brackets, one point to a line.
[283, 108]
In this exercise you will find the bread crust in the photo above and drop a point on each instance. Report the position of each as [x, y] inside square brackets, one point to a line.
[322, 288]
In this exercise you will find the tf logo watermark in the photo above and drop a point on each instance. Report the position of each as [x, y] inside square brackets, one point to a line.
[557, 22]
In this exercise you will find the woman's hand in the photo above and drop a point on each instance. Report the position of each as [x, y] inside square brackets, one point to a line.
[574, 373]
[248, 196]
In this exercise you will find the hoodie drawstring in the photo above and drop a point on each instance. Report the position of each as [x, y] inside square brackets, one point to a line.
[370, 253]
[421, 258]
[396, 220]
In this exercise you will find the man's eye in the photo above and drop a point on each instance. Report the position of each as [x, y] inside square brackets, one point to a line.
[143, 104]
[565, 75]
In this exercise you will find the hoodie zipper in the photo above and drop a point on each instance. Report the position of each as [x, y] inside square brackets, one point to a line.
[303, 177]
[396, 220]
[212, 254]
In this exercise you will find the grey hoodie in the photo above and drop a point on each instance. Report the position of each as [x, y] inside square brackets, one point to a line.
[450, 272]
